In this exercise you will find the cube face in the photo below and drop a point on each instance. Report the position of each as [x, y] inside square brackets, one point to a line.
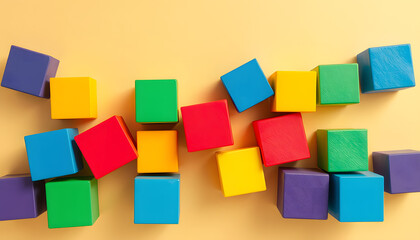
[241, 171]
[338, 84]
[357, 197]
[342, 150]
[400, 170]
[20, 197]
[156, 199]
[207, 125]
[107, 146]
[158, 151]
[72, 202]
[73, 98]
[53, 154]
[247, 85]
[294, 91]
[29, 72]
[387, 68]
[282, 139]
[156, 101]
[303, 193]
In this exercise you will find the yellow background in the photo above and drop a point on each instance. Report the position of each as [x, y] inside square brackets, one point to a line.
[117, 42]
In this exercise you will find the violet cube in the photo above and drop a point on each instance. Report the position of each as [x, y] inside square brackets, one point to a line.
[29, 72]
[303, 193]
[400, 169]
[20, 197]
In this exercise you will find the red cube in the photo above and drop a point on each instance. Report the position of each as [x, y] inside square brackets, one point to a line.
[107, 146]
[282, 139]
[207, 125]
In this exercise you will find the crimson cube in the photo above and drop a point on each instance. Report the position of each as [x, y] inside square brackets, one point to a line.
[207, 125]
[281, 139]
[107, 146]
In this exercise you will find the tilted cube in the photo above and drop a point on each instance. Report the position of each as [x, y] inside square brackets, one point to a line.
[156, 101]
[342, 150]
[20, 197]
[72, 202]
[356, 197]
[282, 139]
[207, 125]
[241, 171]
[338, 84]
[73, 98]
[384, 69]
[29, 72]
[107, 146]
[400, 170]
[247, 85]
[53, 154]
[156, 199]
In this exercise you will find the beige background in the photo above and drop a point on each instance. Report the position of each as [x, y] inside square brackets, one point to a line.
[117, 42]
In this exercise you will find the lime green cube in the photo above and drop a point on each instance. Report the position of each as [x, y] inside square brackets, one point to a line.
[338, 84]
[72, 202]
[342, 150]
[156, 101]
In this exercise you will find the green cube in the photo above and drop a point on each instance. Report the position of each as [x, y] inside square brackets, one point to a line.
[72, 202]
[342, 150]
[338, 84]
[156, 101]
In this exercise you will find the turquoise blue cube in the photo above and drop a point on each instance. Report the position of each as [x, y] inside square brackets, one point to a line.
[156, 199]
[384, 69]
[356, 197]
[53, 154]
[247, 85]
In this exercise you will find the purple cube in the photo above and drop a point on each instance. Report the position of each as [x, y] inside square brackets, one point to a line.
[303, 193]
[20, 197]
[400, 169]
[29, 72]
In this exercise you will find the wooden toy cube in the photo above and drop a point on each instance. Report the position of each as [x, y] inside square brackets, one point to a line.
[207, 125]
[282, 139]
[20, 197]
[241, 171]
[247, 85]
[303, 193]
[342, 150]
[107, 146]
[338, 84]
[158, 151]
[156, 101]
[29, 72]
[294, 91]
[400, 170]
[384, 69]
[73, 98]
[356, 197]
[156, 199]
[72, 202]
[53, 154]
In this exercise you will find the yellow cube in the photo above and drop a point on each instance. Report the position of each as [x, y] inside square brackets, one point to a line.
[158, 151]
[73, 97]
[294, 91]
[241, 171]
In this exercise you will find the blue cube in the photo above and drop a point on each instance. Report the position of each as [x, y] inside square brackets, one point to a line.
[156, 199]
[247, 85]
[29, 72]
[356, 197]
[53, 154]
[384, 69]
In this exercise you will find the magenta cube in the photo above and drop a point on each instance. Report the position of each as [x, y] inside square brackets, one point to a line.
[400, 169]
[303, 193]
[20, 197]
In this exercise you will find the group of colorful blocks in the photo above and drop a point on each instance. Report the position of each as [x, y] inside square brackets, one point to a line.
[346, 189]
